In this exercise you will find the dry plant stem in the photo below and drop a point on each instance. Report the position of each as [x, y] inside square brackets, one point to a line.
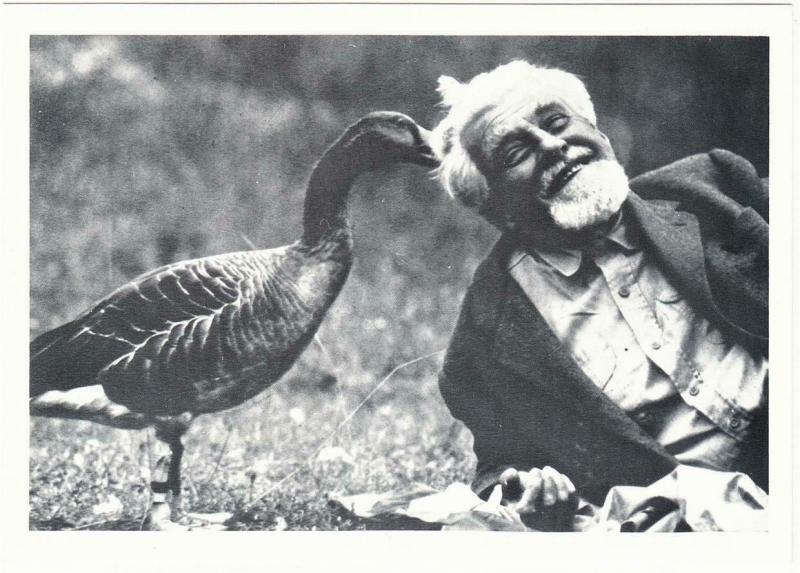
[92, 524]
[148, 504]
[192, 487]
[146, 511]
[337, 372]
[56, 512]
[219, 458]
[340, 426]
[247, 241]
[149, 452]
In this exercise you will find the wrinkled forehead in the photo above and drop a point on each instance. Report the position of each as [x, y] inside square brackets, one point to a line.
[510, 111]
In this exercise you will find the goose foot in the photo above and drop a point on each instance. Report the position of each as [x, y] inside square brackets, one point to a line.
[160, 519]
[194, 520]
[206, 521]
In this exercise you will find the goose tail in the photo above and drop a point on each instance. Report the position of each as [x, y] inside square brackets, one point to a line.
[45, 357]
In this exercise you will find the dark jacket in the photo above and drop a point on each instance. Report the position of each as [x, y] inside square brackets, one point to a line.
[506, 375]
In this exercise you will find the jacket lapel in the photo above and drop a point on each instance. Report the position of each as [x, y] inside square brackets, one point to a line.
[673, 238]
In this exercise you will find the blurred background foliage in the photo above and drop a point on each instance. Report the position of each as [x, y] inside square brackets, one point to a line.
[148, 150]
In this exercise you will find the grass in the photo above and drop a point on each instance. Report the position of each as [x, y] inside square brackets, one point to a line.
[402, 433]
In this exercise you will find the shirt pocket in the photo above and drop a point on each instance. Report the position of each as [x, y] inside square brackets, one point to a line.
[672, 312]
[668, 295]
[596, 358]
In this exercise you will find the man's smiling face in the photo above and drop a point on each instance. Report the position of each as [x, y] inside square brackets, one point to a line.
[544, 164]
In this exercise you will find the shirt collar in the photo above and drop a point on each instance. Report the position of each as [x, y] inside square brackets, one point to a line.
[568, 261]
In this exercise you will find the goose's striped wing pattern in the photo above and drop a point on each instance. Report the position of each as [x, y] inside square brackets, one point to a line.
[200, 335]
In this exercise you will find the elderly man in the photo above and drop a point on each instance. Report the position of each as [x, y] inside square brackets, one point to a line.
[618, 328]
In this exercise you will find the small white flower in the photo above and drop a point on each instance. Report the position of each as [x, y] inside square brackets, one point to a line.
[110, 508]
[297, 415]
[335, 454]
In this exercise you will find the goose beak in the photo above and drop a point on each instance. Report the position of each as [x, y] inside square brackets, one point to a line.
[424, 153]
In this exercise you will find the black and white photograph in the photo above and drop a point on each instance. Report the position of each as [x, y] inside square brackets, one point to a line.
[435, 283]
[201, 191]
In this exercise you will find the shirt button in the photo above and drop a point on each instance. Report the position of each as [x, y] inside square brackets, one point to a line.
[694, 391]
[655, 346]
[624, 292]
[735, 422]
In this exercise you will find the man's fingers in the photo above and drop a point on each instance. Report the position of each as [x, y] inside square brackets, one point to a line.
[555, 484]
[535, 490]
[511, 481]
[549, 486]
[497, 495]
[508, 474]
[532, 486]
[570, 485]
[527, 503]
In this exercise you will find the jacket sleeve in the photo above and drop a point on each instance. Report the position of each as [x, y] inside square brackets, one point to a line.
[723, 190]
[463, 386]
[751, 231]
[738, 180]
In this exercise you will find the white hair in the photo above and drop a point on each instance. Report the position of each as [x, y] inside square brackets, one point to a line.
[458, 173]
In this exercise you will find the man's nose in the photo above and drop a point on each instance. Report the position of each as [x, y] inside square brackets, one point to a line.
[549, 143]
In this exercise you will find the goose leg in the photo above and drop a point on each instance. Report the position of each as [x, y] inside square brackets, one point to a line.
[159, 518]
[174, 477]
[173, 485]
[166, 479]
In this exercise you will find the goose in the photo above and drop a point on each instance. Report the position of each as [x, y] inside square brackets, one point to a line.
[204, 335]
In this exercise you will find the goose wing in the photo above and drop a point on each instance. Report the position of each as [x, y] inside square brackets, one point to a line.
[161, 341]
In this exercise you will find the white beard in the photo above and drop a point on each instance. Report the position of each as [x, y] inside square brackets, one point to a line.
[592, 196]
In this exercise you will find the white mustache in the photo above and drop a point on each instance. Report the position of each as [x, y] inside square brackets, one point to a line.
[573, 155]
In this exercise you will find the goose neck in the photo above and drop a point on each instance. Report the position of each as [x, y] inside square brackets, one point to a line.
[325, 210]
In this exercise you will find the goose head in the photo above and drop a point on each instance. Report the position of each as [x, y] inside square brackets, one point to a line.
[384, 137]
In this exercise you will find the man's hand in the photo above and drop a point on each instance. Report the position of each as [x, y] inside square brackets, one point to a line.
[545, 492]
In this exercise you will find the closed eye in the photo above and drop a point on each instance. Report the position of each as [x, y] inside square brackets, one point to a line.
[555, 123]
[515, 154]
